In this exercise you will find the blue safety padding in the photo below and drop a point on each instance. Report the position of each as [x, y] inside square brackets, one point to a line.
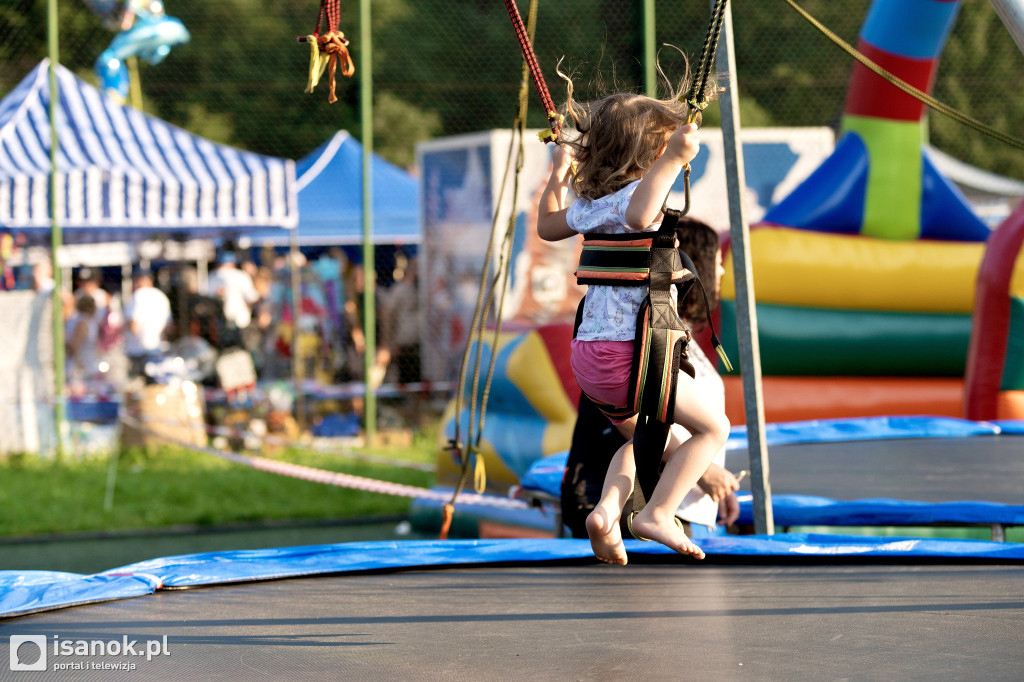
[32, 591]
[1009, 426]
[864, 428]
[833, 546]
[809, 510]
[545, 474]
[24, 592]
[523, 517]
[922, 37]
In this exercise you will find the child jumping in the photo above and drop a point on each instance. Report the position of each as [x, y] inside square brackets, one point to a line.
[630, 151]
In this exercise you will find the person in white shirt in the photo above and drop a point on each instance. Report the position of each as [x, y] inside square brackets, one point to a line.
[147, 316]
[236, 290]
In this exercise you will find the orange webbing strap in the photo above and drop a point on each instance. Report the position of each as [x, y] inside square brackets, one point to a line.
[446, 521]
[329, 50]
[658, 353]
[335, 46]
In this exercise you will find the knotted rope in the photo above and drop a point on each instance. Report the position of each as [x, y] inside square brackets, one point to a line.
[329, 50]
[554, 119]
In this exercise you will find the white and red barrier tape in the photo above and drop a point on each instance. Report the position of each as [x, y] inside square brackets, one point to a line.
[338, 479]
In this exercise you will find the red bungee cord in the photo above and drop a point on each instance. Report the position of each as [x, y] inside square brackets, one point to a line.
[554, 120]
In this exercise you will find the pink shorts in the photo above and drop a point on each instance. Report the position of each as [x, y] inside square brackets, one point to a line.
[602, 370]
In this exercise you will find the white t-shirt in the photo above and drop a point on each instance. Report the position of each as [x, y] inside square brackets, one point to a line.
[150, 310]
[609, 312]
[235, 288]
[697, 506]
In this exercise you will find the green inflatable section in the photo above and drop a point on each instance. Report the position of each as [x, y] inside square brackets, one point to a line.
[819, 342]
[1013, 372]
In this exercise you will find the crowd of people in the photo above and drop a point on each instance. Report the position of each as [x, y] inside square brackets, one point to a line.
[242, 305]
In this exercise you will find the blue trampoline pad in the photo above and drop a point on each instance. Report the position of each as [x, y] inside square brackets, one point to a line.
[979, 468]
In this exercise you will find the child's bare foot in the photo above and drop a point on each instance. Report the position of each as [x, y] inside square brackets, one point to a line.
[605, 537]
[667, 531]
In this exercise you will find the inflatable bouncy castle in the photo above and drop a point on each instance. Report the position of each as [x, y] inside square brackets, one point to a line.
[879, 291]
[865, 276]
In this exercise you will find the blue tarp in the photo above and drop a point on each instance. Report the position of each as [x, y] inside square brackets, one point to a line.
[809, 510]
[30, 591]
[1010, 426]
[545, 474]
[124, 175]
[330, 188]
[863, 428]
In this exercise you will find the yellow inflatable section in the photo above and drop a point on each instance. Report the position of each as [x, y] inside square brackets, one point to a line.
[838, 271]
[530, 412]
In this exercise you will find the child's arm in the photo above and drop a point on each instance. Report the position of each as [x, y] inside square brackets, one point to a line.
[554, 202]
[649, 196]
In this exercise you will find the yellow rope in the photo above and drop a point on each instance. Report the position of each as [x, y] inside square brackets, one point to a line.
[909, 89]
[317, 63]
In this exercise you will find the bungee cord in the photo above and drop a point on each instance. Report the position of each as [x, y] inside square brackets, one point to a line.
[468, 454]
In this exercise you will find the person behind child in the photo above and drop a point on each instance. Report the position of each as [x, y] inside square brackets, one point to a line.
[402, 323]
[630, 151]
[595, 440]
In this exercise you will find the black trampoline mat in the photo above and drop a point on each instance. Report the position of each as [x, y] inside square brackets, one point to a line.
[983, 468]
[578, 622]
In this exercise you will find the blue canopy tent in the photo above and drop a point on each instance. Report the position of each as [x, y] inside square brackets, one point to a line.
[330, 190]
[127, 176]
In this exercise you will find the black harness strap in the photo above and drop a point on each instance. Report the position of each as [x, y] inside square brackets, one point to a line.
[658, 355]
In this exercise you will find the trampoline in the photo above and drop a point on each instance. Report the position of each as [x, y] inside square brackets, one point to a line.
[788, 606]
[806, 620]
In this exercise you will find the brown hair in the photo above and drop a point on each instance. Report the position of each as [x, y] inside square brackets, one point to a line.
[621, 135]
[701, 243]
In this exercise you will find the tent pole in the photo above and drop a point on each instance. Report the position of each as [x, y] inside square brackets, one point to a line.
[743, 274]
[369, 260]
[650, 54]
[60, 409]
[296, 277]
[1012, 14]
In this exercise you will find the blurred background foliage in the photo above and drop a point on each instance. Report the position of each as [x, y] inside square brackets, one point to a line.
[443, 68]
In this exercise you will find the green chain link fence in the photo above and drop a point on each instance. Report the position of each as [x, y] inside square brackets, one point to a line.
[446, 67]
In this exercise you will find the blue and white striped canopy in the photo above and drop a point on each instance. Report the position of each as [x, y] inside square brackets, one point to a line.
[124, 175]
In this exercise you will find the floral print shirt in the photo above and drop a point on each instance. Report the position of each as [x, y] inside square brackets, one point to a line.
[609, 312]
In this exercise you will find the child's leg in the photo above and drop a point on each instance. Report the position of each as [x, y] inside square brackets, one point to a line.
[685, 466]
[603, 521]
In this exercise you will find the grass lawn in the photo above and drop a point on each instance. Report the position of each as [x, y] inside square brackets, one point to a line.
[175, 487]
